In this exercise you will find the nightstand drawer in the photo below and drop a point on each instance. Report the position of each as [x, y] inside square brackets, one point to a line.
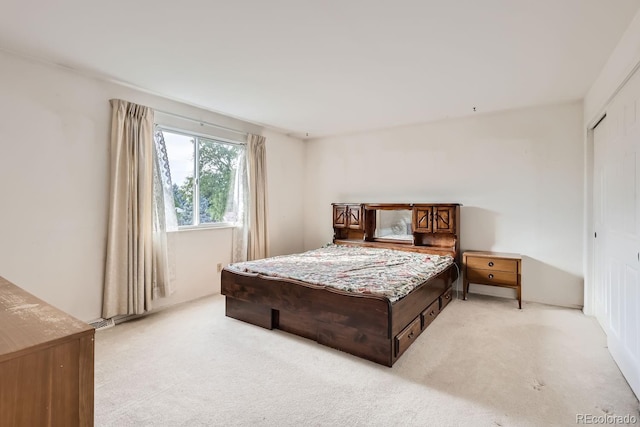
[497, 264]
[490, 277]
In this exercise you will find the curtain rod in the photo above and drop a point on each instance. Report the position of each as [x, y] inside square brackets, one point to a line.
[203, 122]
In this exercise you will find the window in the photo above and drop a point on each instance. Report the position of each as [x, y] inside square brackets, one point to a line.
[202, 169]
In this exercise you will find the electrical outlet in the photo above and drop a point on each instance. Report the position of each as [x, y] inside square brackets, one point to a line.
[219, 267]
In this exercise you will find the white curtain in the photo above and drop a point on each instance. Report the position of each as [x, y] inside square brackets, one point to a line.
[247, 204]
[237, 209]
[164, 219]
[137, 262]
[257, 177]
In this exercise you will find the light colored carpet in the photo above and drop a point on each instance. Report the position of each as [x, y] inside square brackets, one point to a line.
[482, 362]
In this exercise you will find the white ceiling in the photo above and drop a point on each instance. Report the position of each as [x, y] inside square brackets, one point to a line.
[331, 66]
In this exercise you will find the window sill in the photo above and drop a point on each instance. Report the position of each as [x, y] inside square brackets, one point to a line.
[203, 227]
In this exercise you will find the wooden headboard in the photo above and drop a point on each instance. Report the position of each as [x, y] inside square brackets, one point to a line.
[430, 227]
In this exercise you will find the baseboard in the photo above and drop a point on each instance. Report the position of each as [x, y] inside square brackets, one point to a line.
[629, 366]
[508, 293]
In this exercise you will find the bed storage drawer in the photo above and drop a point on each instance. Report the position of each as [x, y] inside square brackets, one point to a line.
[406, 337]
[445, 299]
[430, 313]
[256, 314]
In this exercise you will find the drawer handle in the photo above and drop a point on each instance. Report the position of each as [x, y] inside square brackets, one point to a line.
[410, 335]
[433, 313]
[490, 276]
[490, 263]
[447, 296]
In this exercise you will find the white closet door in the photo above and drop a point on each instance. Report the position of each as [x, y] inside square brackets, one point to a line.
[617, 224]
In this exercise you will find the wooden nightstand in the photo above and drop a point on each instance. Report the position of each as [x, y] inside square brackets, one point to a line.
[492, 268]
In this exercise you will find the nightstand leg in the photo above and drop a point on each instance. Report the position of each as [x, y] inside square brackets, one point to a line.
[520, 297]
[465, 288]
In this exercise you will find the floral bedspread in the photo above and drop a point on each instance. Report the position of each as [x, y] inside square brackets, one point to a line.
[357, 269]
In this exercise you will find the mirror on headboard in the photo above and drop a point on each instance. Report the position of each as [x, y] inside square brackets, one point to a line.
[393, 225]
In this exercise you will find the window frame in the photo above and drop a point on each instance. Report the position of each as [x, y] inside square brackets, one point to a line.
[197, 225]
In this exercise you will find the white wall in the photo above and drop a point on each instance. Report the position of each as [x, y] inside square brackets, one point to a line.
[285, 170]
[196, 254]
[624, 58]
[54, 159]
[517, 173]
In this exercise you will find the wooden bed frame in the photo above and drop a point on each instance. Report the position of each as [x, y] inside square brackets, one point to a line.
[367, 326]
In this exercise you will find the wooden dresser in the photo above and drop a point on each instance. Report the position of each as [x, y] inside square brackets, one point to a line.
[494, 269]
[46, 363]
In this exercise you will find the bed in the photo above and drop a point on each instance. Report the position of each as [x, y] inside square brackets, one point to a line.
[373, 322]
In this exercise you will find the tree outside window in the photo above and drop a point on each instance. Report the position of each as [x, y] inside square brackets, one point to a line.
[201, 169]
